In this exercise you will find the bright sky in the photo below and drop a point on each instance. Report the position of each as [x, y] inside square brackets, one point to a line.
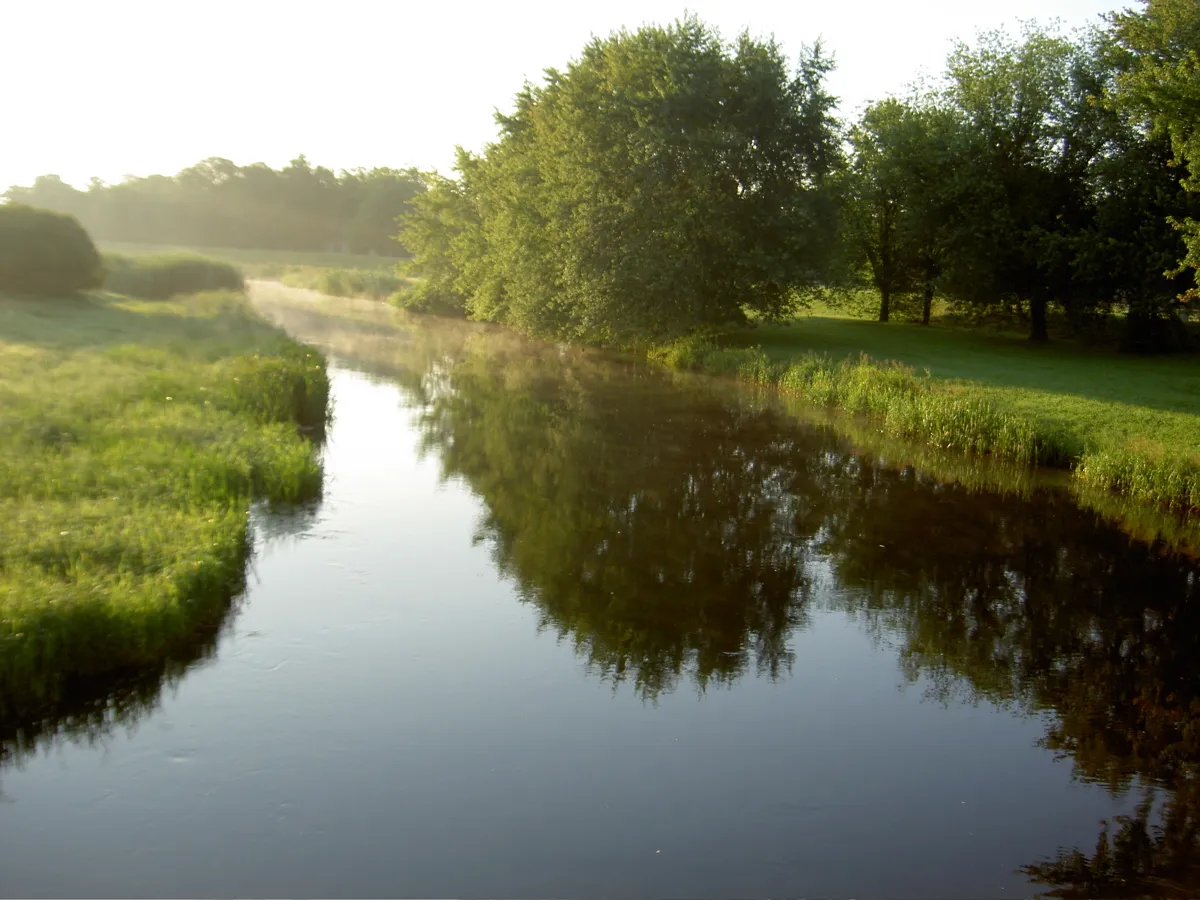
[117, 87]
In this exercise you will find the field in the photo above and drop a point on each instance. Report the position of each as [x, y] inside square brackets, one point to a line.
[133, 437]
[336, 274]
[260, 263]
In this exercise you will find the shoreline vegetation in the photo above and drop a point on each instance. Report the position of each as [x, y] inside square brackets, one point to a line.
[1042, 177]
[880, 377]
[963, 415]
[134, 437]
[1007, 474]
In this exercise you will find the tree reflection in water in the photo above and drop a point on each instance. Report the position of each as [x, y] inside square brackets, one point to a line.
[680, 537]
[675, 535]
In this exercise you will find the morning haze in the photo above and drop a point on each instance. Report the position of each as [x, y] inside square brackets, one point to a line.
[534, 452]
[414, 79]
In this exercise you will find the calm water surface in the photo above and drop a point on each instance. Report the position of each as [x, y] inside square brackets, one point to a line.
[564, 627]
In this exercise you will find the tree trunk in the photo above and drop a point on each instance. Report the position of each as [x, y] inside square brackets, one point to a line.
[927, 306]
[1037, 320]
[885, 301]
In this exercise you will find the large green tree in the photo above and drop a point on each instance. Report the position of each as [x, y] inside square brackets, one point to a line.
[665, 181]
[1161, 88]
[898, 194]
[1022, 191]
[1126, 256]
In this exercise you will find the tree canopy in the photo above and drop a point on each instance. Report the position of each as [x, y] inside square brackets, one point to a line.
[665, 181]
[1024, 181]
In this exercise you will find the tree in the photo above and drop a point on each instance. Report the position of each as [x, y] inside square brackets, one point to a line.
[1127, 255]
[1162, 89]
[45, 253]
[666, 181]
[897, 196]
[441, 231]
[875, 201]
[1021, 191]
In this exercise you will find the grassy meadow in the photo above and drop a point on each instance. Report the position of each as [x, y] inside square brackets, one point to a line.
[164, 275]
[336, 274]
[370, 284]
[1124, 423]
[133, 437]
[260, 263]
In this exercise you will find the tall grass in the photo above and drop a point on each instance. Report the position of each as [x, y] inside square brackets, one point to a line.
[951, 416]
[260, 263]
[133, 437]
[372, 284]
[162, 276]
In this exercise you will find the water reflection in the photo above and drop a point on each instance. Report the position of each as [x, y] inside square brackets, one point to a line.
[680, 535]
[677, 535]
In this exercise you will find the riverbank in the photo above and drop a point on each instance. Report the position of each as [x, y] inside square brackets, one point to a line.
[1125, 424]
[133, 437]
[1121, 424]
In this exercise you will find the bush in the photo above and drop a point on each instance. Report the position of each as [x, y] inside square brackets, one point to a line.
[160, 277]
[45, 253]
[424, 297]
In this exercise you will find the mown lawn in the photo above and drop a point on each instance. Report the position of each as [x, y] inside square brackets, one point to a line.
[133, 437]
[1104, 398]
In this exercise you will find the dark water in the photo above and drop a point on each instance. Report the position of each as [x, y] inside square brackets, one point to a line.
[564, 627]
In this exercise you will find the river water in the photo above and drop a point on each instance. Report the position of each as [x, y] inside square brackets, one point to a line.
[564, 626]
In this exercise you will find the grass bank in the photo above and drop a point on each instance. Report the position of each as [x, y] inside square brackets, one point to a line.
[164, 275]
[260, 263]
[371, 284]
[335, 274]
[1120, 423]
[133, 437]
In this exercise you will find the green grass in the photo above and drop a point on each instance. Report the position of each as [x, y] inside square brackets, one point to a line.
[372, 284]
[163, 275]
[261, 263]
[133, 437]
[1123, 423]
[336, 274]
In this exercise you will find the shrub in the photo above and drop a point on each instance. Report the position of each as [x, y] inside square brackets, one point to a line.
[424, 297]
[45, 253]
[163, 276]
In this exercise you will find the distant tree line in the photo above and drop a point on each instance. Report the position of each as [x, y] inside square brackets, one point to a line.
[216, 203]
[668, 181]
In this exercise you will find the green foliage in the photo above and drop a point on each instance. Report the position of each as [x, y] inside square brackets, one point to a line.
[45, 253]
[1150, 475]
[219, 204]
[665, 181]
[160, 277]
[442, 232]
[1015, 187]
[1127, 425]
[1160, 86]
[133, 436]
[259, 263]
[374, 284]
[909, 406]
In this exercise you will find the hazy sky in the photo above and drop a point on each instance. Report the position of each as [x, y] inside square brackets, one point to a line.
[110, 88]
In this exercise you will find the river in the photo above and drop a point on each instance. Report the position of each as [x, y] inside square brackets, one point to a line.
[565, 626]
